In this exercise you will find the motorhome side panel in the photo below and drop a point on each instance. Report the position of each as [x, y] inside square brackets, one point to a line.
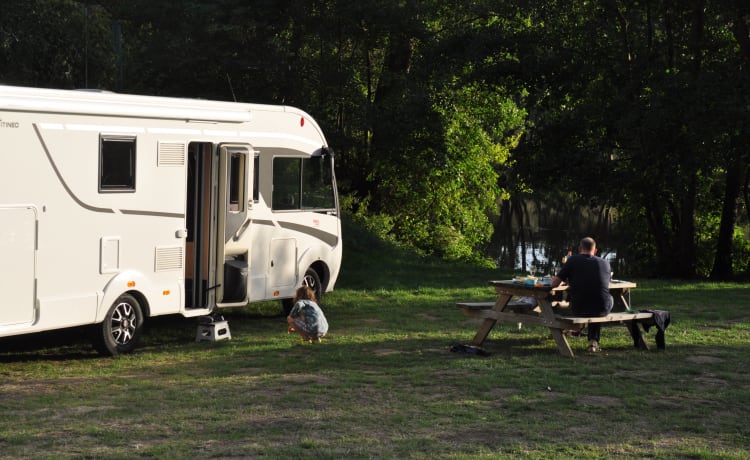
[92, 229]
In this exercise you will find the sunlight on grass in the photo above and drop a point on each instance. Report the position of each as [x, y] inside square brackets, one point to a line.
[384, 383]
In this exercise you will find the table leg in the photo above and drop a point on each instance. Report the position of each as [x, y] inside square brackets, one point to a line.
[562, 342]
[623, 301]
[488, 323]
[635, 333]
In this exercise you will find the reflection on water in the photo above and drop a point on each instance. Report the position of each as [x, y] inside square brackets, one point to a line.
[532, 236]
[540, 261]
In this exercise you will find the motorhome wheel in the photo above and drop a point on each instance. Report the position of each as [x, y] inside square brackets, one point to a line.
[121, 329]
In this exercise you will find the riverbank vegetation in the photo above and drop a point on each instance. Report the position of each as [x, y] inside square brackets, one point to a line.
[452, 120]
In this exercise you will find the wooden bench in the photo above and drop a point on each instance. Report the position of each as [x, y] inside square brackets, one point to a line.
[524, 312]
[629, 319]
[616, 318]
[514, 306]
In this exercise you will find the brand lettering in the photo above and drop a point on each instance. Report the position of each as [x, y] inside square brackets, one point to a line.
[9, 124]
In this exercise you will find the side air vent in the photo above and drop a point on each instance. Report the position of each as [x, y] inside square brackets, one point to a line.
[171, 154]
[168, 259]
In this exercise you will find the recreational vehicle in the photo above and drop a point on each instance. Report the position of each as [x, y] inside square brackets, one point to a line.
[115, 208]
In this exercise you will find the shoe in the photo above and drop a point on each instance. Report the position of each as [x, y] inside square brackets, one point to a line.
[593, 349]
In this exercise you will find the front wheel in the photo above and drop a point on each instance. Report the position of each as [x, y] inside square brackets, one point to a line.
[311, 280]
[121, 329]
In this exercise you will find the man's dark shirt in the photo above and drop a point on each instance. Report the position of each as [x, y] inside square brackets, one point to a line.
[588, 277]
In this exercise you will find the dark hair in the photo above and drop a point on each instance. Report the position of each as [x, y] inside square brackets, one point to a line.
[304, 293]
[588, 243]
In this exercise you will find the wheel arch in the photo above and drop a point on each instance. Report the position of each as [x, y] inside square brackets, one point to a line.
[129, 282]
[324, 273]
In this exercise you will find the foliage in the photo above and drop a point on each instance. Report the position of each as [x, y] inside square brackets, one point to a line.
[445, 113]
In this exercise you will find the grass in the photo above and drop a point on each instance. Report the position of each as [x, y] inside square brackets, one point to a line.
[385, 385]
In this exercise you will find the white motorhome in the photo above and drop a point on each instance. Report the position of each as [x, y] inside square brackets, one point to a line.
[115, 208]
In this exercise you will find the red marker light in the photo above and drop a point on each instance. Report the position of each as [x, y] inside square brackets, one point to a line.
[302, 121]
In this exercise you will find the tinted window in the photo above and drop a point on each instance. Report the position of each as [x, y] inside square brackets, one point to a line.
[317, 184]
[236, 182]
[256, 177]
[117, 164]
[303, 183]
[286, 183]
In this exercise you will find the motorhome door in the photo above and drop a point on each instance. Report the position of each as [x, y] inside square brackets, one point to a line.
[17, 264]
[235, 173]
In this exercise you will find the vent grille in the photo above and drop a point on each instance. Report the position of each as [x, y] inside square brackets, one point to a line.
[168, 259]
[171, 154]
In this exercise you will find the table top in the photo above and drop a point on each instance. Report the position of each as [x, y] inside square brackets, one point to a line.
[613, 285]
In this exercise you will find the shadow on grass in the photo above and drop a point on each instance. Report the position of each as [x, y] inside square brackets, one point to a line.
[59, 345]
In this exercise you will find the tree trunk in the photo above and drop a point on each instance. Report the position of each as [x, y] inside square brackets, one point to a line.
[722, 269]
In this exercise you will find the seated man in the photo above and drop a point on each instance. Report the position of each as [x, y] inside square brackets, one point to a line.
[588, 277]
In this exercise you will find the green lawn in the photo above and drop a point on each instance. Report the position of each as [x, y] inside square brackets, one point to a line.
[384, 383]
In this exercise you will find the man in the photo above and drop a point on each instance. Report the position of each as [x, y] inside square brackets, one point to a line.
[588, 277]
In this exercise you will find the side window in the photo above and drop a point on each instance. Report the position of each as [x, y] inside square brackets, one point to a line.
[116, 164]
[256, 177]
[286, 183]
[237, 182]
[303, 184]
[317, 183]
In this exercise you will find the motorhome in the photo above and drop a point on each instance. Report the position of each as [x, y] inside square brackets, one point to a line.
[116, 208]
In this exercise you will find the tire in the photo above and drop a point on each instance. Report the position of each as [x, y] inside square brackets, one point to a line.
[311, 280]
[121, 329]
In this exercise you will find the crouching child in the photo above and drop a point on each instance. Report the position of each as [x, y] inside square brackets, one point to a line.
[306, 318]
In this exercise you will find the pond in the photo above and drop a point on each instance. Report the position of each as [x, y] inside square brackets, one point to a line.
[533, 237]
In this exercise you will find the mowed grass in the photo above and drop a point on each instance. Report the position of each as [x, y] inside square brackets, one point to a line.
[384, 383]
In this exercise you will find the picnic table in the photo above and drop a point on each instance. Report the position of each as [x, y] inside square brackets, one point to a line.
[551, 311]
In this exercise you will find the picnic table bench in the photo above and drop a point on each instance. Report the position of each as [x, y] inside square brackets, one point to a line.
[552, 313]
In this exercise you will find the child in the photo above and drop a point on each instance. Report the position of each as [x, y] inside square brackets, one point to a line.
[306, 317]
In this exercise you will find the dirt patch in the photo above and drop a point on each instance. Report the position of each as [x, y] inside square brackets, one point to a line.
[501, 393]
[427, 316]
[304, 379]
[702, 359]
[599, 401]
[386, 352]
[709, 381]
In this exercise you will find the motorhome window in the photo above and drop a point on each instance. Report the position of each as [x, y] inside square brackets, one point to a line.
[117, 164]
[317, 183]
[236, 182]
[286, 183]
[256, 177]
[302, 184]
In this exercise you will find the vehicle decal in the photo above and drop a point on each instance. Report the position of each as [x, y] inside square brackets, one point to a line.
[88, 206]
[326, 237]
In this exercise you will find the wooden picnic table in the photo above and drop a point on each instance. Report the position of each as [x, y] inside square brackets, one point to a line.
[551, 312]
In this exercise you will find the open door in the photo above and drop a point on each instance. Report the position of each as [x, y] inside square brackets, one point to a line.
[234, 206]
[197, 222]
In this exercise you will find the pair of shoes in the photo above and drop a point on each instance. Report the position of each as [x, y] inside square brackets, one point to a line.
[469, 350]
[593, 349]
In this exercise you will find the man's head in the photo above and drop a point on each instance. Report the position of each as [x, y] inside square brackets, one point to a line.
[587, 246]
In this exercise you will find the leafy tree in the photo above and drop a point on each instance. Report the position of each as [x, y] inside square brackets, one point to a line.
[55, 43]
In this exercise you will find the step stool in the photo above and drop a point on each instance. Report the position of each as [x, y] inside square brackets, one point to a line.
[212, 330]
